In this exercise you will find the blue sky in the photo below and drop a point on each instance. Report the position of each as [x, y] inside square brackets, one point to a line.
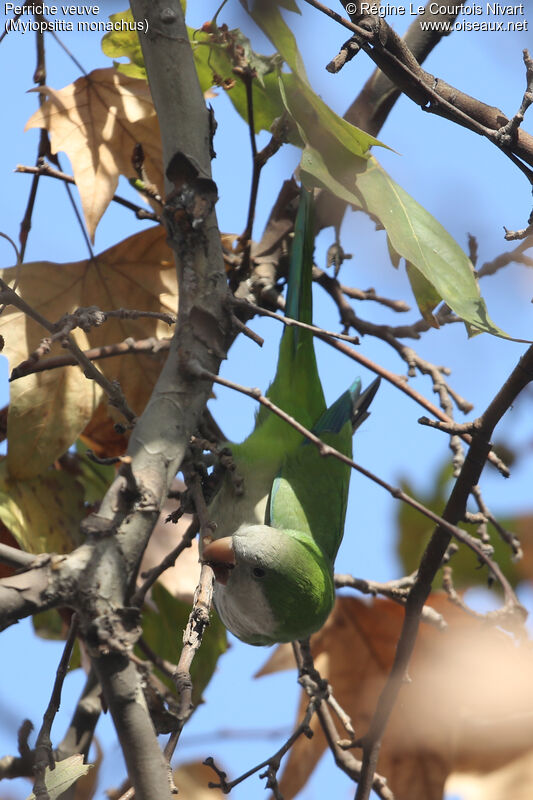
[463, 180]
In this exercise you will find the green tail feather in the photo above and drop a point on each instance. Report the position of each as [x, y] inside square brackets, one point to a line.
[351, 405]
[299, 303]
[296, 387]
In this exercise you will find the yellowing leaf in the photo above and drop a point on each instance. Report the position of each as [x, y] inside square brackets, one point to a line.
[46, 413]
[97, 121]
[43, 513]
[125, 43]
[64, 775]
[48, 410]
[469, 705]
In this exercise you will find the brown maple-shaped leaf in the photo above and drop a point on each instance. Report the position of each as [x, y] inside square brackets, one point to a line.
[48, 410]
[468, 706]
[97, 121]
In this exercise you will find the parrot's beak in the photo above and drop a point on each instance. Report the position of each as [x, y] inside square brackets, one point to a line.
[220, 556]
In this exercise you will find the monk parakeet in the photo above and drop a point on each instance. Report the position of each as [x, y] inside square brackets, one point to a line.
[275, 542]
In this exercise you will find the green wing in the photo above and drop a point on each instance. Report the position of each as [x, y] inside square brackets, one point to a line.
[310, 493]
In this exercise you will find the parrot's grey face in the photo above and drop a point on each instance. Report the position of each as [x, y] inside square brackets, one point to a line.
[264, 588]
[243, 564]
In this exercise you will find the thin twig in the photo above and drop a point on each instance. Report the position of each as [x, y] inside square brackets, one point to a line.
[399, 64]
[150, 346]
[111, 388]
[80, 732]
[507, 132]
[39, 78]
[290, 322]
[50, 172]
[505, 535]
[397, 590]
[316, 687]
[511, 613]
[511, 256]
[259, 161]
[198, 620]
[44, 756]
[398, 494]
[18, 257]
[272, 763]
[168, 561]
[166, 667]
[399, 382]
[84, 318]
[370, 294]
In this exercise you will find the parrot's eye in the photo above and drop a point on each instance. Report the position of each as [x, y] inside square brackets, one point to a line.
[258, 572]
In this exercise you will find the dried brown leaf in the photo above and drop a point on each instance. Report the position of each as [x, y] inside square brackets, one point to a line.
[97, 121]
[48, 410]
[101, 436]
[469, 704]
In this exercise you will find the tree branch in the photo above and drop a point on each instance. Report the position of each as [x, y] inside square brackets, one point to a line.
[432, 560]
[325, 450]
[390, 53]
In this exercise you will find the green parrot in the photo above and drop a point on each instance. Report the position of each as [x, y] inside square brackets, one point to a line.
[276, 541]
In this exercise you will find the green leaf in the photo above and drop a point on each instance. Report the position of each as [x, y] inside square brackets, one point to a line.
[414, 531]
[427, 298]
[215, 65]
[315, 172]
[412, 231]
[290, 5]
[49, 625]
[95, 478]
[267, 16]
[216, 54]
[125, 43]
[64, 774]
[417, 236]
[322, 127]
[393, 255]
[163, 628]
